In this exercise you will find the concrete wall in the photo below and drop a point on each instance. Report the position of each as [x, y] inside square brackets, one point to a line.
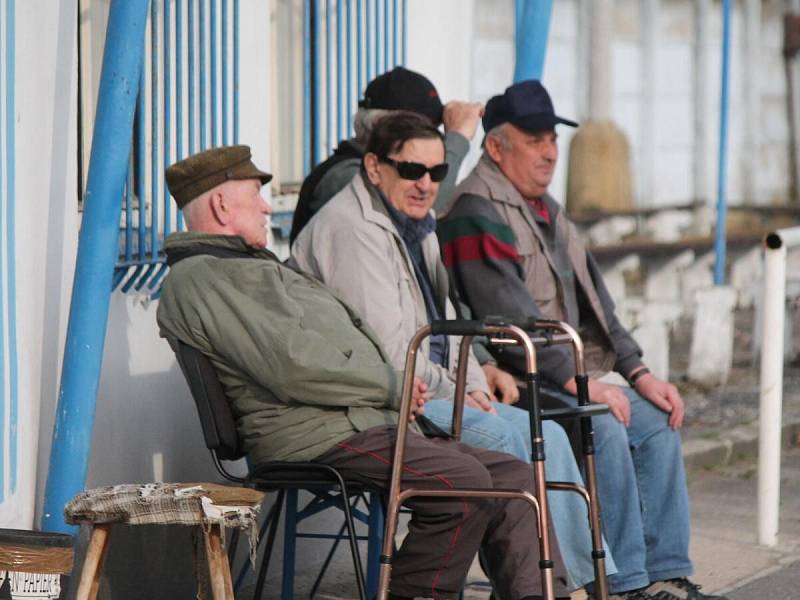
[46, 219]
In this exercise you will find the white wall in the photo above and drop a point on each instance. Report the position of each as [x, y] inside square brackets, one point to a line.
[47, 220]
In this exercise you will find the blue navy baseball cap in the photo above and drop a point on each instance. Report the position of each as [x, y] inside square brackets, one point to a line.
[525, 104]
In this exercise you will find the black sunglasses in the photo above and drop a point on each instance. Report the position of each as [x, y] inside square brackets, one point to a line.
[414, 170]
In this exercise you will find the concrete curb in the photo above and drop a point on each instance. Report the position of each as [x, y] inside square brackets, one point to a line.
[721, 448]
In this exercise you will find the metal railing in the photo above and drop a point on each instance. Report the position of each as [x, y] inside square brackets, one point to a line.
[9, 400]
[361, 39]
[187, 102]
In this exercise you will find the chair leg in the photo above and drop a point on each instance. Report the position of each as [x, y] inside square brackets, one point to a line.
[218, 567]
[289, 545]
[93, 563]
[374, 541]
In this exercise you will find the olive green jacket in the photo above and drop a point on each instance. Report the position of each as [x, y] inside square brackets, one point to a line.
[302, 371]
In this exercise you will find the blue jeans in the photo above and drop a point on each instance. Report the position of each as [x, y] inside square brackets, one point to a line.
[509, 432]
[643, 496]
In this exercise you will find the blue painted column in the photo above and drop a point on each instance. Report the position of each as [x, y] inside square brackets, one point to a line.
[720, 236]
[533, 26]
[97, 254]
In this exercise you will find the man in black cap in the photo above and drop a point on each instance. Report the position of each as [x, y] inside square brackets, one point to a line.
[308, 380]
[512, 251]
[398, 89]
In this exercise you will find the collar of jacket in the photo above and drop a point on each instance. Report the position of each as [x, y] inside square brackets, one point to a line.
[376, 209]
[502, 190]
[186, 244]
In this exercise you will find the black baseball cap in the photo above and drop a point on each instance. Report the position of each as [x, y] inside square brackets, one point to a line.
[401, 89]
[525, 104]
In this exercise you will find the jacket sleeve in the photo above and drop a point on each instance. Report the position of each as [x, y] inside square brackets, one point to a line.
[629, 354]
[456, 149]
[242, 314]
[357, 265]
[478, 248]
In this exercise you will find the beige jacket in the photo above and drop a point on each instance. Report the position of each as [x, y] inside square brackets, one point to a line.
[352, 246]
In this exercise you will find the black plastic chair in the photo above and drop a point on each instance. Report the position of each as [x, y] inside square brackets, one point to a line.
[331, 487]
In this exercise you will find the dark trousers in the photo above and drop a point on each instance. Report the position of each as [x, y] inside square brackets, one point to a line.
[444, 534]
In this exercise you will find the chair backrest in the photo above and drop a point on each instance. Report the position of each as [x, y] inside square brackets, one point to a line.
[213, 407]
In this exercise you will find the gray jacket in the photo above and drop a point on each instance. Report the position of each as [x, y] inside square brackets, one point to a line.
[353, 246]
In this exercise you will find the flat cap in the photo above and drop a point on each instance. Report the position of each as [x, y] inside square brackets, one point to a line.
[189, 178]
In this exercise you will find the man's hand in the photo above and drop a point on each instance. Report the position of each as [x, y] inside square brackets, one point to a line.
[664, 395]
[419, 396]
[462, 117]
[480, 401]
[605, 393]
[501, 384]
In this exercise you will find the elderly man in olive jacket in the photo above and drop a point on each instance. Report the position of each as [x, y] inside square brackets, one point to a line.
[308, 380]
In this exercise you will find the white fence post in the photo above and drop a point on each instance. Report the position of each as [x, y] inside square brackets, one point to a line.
[771, 392]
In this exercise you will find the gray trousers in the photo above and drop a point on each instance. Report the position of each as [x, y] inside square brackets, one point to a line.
[444, 534]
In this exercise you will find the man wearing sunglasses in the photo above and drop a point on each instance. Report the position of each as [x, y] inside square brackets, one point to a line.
[374, 244]
[395, 90]
[512, 251]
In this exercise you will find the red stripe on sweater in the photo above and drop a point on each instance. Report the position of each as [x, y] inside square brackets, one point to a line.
[477, 247]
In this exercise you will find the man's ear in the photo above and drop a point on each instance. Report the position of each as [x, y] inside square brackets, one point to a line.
[492, 147]
[371, 167]
[220, 208]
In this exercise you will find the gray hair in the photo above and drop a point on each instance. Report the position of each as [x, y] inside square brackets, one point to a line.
[499, 132]
[364, 121]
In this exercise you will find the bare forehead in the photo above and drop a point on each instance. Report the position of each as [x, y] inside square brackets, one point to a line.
[422, 150]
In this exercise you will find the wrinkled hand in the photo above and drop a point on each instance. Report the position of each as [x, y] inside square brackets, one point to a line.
[663, 395]
[419, 396]
[501, 384]
[605, 393]
[462, 117]
[480, 401]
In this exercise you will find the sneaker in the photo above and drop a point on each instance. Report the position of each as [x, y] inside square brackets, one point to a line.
[679, 589]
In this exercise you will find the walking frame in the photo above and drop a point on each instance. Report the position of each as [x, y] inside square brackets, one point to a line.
[504, 331]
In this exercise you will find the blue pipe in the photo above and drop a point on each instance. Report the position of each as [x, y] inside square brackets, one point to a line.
[167, 129]
[533, 25]
[405, 31]
[4, 168]
[235, 71]
[212, 41]
[360, 83]
[316, 68]
[225, 90]
[307, 91]
[141, 134]
[385, 35]
[156, 176]
[350, 103]
[371, 23]
[339, 62]
[190, 74]
[179, 114]
[722, 206]
[201, 18]
[329, 78]
[97, 254]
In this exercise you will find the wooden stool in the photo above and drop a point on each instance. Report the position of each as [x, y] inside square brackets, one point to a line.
[210, 506]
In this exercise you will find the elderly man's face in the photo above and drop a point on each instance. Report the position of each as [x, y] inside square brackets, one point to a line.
[414, 198]
[526, 158]
[249, 211]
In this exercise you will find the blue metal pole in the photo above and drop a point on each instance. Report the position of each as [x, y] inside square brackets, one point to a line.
[350, 102]
[329, 78]
[97, 253]
[307, 91]
[371, 24]
[533, 25]
[167, 133]
[405, 31]
[154, 129]
[191, 84]
[235, 71]
[722, 207]
[316, 91]
[225, 91]
[212, 37]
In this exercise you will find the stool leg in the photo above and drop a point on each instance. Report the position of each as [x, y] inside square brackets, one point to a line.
[93, 563]
[218, 567]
